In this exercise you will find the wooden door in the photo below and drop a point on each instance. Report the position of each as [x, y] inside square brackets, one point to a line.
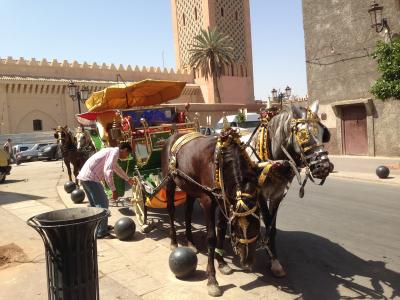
[355, 141]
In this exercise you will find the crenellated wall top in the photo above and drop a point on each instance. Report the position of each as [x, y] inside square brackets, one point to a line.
[75, 70]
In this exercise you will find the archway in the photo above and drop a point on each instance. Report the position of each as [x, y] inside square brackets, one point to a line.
[26, 123]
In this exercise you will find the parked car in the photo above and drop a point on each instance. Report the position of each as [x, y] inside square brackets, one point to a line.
[207, 130]
[21, 147]
[50, 152]
[246, 127]
[31, 154]
[5, 167]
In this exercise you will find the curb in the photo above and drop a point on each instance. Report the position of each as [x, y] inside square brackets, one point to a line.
[394, 158]
[392, 182]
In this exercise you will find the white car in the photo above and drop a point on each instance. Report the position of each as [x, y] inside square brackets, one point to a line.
[246, 127]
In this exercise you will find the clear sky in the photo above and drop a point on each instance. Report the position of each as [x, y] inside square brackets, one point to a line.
[137, 32]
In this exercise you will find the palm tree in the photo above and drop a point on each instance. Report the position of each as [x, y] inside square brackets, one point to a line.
[211, 50]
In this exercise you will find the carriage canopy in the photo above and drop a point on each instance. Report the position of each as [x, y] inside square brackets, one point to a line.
[142, 93]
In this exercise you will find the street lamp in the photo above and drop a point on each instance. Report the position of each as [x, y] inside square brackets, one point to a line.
[377, 20]
[288, 92]
[278, 95]
[81, 95]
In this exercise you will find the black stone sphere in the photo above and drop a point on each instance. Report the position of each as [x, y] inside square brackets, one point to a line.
[183, 262]
[124, 228]
[69, 186]
[382, 172]
[77, 196]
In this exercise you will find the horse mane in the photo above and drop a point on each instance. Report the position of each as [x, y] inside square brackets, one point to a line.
[279, 131]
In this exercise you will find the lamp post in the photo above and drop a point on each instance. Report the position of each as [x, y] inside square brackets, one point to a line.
[278, 95]
[377, 20]
[79, 94]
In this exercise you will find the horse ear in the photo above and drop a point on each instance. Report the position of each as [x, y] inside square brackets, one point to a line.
[314, 107]
[296, 112]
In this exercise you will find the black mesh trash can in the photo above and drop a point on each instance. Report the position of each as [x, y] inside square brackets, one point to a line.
[69, 236]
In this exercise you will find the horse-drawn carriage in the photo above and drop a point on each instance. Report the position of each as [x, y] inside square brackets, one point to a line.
[143, 122]
[217, 170]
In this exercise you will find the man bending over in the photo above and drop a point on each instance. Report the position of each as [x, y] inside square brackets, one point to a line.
[101, 166]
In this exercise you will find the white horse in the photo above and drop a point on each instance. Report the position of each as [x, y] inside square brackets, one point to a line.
[84, 142]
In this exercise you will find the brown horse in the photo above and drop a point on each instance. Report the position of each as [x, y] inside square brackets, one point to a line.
[69, 151]
[220, 173]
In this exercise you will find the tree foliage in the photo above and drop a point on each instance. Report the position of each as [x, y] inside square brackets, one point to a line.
[209, 52]
[240, 117]
[387, 56]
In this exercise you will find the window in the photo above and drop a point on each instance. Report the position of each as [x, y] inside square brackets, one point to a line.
[37, 125]
[195, 13]
[222, 11]
[184, 19]
[236, 15]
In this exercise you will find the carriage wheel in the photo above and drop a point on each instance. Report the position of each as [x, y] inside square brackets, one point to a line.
[138, 201]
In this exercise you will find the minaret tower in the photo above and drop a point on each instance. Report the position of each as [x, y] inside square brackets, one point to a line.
[231, 17]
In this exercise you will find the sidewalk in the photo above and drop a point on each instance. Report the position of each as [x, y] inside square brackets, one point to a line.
[363, 168]
[31, 190]
[141, 265]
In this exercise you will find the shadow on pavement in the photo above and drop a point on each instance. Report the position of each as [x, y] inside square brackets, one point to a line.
[13, 180]
[126, 211]
[11, 197]
[317, 268]
[199, 275]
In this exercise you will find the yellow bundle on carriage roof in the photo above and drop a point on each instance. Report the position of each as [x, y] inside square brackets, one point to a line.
[142, 93]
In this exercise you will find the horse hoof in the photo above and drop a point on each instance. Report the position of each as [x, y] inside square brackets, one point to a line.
[173, 246]
[277, 269]
[145, 228]
[214, 290]
[193, 247]
[225, 269]
[247, 268]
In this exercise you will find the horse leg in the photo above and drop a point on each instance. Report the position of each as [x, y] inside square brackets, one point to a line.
[170, 186]
[76, 172]
[209, 207]
[276, 267]
[270, 224]
[188, 222]
[67, 164]
[223, 267]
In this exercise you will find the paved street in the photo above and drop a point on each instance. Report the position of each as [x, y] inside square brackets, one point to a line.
[341, 238]
[340, 241]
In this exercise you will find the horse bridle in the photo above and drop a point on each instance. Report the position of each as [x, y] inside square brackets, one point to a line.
[303, 139]
[231, 213]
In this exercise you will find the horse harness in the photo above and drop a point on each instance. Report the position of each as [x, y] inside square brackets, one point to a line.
[303, 138]
[230, 212]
